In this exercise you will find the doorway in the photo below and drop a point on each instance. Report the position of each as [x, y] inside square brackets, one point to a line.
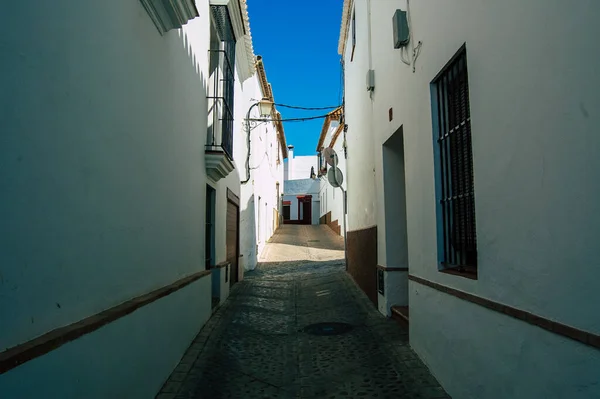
[209, 234]
[232, 238]
[287, 210]
[393, 279]
[305, 209]
[209, 243]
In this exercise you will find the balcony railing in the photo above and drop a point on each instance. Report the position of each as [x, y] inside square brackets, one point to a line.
[220, 103]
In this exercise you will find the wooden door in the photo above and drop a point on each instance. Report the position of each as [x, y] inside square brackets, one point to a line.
[307, 210]
[232, 240]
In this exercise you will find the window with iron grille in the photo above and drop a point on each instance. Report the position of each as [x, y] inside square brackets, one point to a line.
[222, 81]
[455, 165]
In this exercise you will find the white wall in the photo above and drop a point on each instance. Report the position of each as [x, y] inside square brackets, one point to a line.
[533, 89]
[128, 358]
[300, 166]
[511, 359]
[250, 90]
[332, 199]
[294, 188]
[361, 167]
[266, 170]
[103, 181]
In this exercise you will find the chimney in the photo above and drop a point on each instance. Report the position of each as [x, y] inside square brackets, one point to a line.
[290, 171]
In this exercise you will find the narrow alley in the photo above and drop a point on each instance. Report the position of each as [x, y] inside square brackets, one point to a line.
[312, 200]
[265, 340]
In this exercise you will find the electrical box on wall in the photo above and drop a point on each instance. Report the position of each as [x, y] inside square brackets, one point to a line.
[401, 34]
[370, 80]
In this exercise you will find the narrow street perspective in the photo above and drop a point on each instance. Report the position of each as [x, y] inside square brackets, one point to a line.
[298, 327]
[312, 199]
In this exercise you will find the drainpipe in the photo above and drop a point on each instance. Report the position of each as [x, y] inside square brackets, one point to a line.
[248, 131]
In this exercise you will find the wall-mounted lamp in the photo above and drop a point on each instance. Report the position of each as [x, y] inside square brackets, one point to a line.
[265, 107]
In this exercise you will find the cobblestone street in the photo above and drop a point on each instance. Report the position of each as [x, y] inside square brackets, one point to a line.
[256, 346]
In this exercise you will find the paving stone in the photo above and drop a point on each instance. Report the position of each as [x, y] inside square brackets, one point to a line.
[254, 346]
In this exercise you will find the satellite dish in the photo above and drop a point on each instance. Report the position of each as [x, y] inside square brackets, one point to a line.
[335, 177]
[330, 156]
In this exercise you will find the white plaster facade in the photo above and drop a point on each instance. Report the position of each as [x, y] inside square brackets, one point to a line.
[298, 183]
[295, 188]
[262, 193]
[103, 178]
[299, 167]
[533, 90]
[332, 199]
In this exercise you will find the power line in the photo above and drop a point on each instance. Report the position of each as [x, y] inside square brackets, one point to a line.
[308, 118]
[305, 108]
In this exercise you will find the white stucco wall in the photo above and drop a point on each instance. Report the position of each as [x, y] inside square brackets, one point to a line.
[250, 90]
[532, 102]
[121, 359]
[103, 181]
[332, 199]
[361, 166]
[300, 166]
[266, 169]
[294, 188]
[267, 174]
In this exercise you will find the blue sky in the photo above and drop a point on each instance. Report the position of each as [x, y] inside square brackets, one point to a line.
[298, 42]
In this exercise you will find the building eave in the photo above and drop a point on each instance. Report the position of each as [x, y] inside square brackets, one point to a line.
[265, 87]
[267, 92]
[346, 12]
[238, 13]
[337, 133]
[335, 114]
[281, 136]
[250, 57]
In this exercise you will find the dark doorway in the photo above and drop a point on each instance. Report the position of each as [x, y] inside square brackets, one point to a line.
[286, 211]
[232, 240]
[209, 244]
[305, 209]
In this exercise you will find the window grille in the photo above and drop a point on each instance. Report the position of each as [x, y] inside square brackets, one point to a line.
[222, 86]
[455, 156]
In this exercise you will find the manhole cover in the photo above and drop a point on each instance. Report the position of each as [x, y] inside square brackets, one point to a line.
[327, 328]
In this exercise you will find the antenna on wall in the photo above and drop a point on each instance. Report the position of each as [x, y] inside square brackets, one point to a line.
[334, 175]
[336, 178]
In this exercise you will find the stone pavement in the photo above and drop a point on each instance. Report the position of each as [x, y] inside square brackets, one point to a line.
[255, 345]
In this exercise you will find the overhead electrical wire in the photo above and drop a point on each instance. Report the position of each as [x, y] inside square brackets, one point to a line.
[305, 108]
[308, 118]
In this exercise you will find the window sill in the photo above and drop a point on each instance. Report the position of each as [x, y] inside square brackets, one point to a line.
[469, 272]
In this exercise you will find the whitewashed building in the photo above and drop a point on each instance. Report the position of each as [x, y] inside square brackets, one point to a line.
[301, 189]
[123, 145]
[332, 198]
[263, 174]
[473, 173]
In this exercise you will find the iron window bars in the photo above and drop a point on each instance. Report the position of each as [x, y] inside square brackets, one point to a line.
[221, 96]
[457, 199]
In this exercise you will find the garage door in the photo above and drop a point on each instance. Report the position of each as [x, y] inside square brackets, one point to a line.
[232, 240]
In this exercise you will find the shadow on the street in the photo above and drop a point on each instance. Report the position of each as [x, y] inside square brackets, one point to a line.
[296, 268]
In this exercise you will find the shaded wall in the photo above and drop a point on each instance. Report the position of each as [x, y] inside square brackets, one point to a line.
[362, 260]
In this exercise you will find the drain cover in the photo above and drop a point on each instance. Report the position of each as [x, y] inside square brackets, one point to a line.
[327, 328]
